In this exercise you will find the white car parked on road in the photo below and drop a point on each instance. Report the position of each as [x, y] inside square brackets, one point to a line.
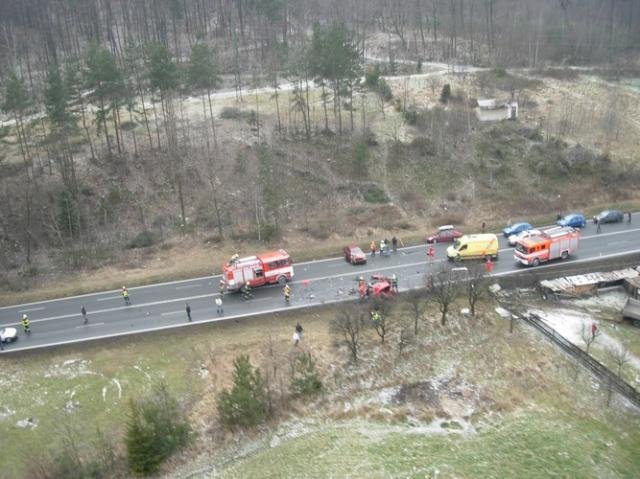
[8, 335]
[513, 239]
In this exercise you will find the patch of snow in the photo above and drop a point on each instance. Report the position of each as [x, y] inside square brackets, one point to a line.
[5, 412]
[71, 406]
[104, 393]
[465, 311]
[69, 369]
[494, 288]
[569, 323]
[386, 395]
[503, 313]
[613, 299]
[203, 372]
[117, 383]
[29, 423]
[138, 368]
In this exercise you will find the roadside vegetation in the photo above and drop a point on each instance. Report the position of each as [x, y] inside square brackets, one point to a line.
[405, 384]
[122, 157]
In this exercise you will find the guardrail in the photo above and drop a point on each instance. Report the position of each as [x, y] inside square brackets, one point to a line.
[601, 371]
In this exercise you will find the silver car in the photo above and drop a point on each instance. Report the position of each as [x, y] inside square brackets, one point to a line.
[513, 239]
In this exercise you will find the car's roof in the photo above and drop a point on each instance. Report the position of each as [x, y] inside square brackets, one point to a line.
[573, 215]
[445, 228]
[354, 246]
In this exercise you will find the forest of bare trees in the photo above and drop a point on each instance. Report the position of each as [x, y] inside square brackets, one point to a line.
[78, 75]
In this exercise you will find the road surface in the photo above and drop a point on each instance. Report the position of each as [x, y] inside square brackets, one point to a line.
[162, 306]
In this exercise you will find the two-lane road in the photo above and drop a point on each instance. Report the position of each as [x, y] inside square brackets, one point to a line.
[162, 306]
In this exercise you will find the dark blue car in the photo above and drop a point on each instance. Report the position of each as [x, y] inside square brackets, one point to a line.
[575, 220]
[516, 228]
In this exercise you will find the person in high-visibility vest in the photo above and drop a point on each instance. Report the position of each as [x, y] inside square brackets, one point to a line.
[25, 324]
[375, 316]
[125, 296]
[287, 293]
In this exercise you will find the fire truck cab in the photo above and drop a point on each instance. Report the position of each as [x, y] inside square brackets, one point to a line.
[558, 242]
[266, 268]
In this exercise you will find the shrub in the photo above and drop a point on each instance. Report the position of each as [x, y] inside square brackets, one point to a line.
[304, 375]
[374, 194]
[384, 90]
[143, 239]
[231, 113]
[411, 116]
[372, 76]
[445, 94]
[155, 429]
[246, 403]
[269, 232]
[359, 159]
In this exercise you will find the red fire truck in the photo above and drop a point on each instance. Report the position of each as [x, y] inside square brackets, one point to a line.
[266, 268]
[553, 243]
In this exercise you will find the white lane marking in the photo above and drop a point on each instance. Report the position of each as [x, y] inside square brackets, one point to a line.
[31, 309]
[89, 325]
[215, 277]
[169, 313]
[351, 298]
[109, 298]
[188, 286]
[121, 308]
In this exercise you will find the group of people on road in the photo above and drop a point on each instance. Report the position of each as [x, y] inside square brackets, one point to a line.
[385, 246]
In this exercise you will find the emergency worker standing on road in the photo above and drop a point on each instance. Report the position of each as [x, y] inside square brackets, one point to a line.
[25, 324]
[83, 312]
[219, 305]
[188, 310]
[287, 292]
[394, 244]
[221, 287]
[394, 282]
[125, 296]
[372, 247]
[488, 266]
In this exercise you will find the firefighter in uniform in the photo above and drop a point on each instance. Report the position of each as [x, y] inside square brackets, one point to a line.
[246, 291]
[287, 293]
[25, 324]
[125, 296]
[221, 287]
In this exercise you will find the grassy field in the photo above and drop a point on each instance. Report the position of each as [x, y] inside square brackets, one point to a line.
[469, 399]
[522, 444]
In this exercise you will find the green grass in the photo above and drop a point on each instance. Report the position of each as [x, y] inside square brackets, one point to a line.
[523, 444]
[34, 386]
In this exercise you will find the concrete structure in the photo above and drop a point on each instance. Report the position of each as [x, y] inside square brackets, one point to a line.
[494, 110]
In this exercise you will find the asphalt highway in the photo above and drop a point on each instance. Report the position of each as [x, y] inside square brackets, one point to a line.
[162, 306]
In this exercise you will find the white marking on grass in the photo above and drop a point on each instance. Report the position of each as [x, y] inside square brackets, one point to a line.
[117, 383]
[138, 368]
[104, 393]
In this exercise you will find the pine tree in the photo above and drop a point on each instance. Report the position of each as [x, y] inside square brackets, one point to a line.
[246, 403]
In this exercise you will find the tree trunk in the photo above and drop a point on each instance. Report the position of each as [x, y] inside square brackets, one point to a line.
[212, 117]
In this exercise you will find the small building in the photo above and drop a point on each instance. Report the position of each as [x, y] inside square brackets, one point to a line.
[494, 110]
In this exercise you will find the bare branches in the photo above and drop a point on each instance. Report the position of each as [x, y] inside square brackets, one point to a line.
[444, 290]
[348, 325]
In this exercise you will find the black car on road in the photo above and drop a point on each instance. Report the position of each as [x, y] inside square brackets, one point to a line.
[608, 216]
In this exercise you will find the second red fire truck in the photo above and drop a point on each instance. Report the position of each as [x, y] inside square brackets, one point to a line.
[553, 243]
[266, 268]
